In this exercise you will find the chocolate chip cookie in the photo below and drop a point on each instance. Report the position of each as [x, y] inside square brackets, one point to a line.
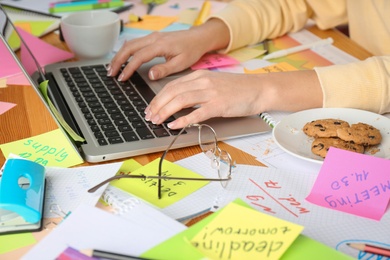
[324, 127]
[321, 145]
[360, 133]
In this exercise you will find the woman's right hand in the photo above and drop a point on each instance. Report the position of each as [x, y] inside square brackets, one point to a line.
[181, 49]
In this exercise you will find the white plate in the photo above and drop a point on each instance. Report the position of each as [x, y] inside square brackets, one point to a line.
[289, 136]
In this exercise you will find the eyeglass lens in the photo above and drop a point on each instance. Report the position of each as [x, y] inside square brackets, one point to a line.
[220, 159]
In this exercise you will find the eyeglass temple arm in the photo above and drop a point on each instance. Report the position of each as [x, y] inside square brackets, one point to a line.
[117, 177]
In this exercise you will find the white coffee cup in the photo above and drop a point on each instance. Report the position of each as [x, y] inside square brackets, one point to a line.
[91, 34]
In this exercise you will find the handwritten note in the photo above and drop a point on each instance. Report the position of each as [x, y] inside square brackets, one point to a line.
[354, 183]
[49, 149]
[254, 236]
[172, 190]
[67, 187]
[214, 60]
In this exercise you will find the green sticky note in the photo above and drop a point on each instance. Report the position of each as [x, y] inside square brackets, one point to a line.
[172, 190]
[43, 87]
[12, 242]
[49, 149]
[179, 246]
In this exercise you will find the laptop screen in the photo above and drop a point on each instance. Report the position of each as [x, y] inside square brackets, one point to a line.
[11, 34]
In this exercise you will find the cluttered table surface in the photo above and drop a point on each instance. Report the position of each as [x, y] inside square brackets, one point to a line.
[29, 117]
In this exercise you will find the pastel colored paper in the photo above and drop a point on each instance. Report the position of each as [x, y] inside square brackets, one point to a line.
[152, 22]
[214, 60]
[8, 65]
[43, 87]
[245, 54]
[72, 254]
[18, 79]
[12, 242]
[49, 149]
[5, 106]
[43, 52]
[278, 67]
[172, 190]
[179, 247]
[255, 236]
[355, 183]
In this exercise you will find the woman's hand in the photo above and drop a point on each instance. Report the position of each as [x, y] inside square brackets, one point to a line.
[218, 94]
[180, 49]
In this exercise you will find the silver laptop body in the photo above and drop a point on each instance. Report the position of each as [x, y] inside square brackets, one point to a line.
[109, 141]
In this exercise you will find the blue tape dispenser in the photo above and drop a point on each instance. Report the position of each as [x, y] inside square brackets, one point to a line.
[22, 190]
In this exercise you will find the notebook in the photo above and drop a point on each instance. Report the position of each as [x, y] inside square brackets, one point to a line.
[109, 115]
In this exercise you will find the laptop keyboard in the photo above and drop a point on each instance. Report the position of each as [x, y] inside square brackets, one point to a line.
[114, 110]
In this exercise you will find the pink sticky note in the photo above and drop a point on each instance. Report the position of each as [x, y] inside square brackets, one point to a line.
[5, 106]
[43, 52]
[355, 183]
[214, 60]
[18, 79]
[8, 65]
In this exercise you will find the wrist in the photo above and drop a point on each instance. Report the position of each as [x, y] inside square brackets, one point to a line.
[214, 35]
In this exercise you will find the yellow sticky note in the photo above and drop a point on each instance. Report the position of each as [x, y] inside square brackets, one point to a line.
[172, 190]
[153, 22]
[12, 242]
[3, 82]
[245, 54]
[279, 67]
[49, 149]
[242, 233]
[129, 166]
[188, 16]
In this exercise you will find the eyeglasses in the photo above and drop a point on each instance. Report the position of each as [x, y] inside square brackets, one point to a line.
[220, 160]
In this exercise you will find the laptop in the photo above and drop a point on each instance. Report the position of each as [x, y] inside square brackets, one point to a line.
[109, 114]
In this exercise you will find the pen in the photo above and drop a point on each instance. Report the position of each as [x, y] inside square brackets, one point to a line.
[266, 46]
[122, 9]
[109, 255]
[282, 53]
[83, 2]
[85, 7]
[370, 249]
[203, 13]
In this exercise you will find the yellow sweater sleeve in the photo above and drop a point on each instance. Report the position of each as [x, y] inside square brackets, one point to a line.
[363, 85]
[251, 21]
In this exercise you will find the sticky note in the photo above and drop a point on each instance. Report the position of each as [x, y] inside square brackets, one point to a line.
[5, 106]
[172, 190]
[354, 183]
[153, 22]
[278, 67]
[48, 149]
[241, 233]
[14, 241]
[214, 60]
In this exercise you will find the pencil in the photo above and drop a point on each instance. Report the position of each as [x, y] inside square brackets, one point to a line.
[203, 13]
[370, 249]
[109, 255]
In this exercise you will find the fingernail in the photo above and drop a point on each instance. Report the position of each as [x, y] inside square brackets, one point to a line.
[109, 72]
[171, 124]
[151, 75]
[148, 115]
[155, 119]
[154, 74]
[120, 77]
[108, 67]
